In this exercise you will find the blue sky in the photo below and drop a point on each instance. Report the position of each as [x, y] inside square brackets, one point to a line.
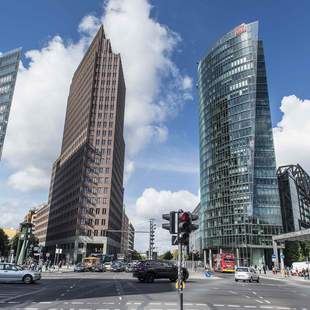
[168, 164]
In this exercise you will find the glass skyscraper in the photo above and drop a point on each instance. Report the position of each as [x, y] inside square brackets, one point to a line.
[8, 71]
[240, 208]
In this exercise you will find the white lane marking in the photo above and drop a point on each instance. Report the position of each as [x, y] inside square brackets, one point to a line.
[45, 302]
[170, 303]
[188, 304]
[259, 301]
[266, 307]
[284, 308]
[249, 306]
[201, 304]
[267, 301]
[31, 308]
[254, 293]
[233, 306]
[247, 296]
[77, 302]
[155, 303]
[217, 305]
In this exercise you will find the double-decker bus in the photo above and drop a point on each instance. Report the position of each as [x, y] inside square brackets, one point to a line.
[224, 262]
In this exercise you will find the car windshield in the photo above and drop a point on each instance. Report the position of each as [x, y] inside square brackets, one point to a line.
[243, 269]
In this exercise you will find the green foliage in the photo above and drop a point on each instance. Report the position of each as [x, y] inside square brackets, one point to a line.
[4, 243]
[136, 255]
[296, 251]
[167, 256]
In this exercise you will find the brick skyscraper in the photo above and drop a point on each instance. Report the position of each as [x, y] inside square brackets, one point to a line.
[86, 191]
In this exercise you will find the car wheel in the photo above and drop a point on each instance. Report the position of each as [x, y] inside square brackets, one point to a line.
[251, 280]
[149, 278]
[257, 280]
[236, 280]
[27, 279]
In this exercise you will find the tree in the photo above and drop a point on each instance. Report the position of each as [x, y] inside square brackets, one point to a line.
[167, 256]
[136, 255]
[291, 252]
[4, 243]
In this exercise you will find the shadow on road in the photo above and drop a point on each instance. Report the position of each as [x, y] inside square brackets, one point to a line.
[68, 289]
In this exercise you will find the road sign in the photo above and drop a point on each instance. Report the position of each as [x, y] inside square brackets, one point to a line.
[273, 258]
[174, 240]
[282, 256]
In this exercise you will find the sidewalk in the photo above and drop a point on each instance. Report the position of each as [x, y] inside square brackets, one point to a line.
[280, 277]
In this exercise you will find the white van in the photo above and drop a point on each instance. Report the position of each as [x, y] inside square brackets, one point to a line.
[297, 267]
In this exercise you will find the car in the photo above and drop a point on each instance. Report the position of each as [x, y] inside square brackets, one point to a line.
[107, 266]
[117, 267]
[14, 273]
[79, 268]
[129, 267]
[148, 271]
[246, 274]
[98, 268]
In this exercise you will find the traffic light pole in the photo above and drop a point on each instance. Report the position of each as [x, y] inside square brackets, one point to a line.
[180, 280]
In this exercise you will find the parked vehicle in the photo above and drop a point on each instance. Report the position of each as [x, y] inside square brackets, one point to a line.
[117, 267]
[298, 267]
[93, 263]
[79, 268]
[246, 274]
[107, 266]
[148, 271]
[129, 267]
[224, 262]
[14, 273]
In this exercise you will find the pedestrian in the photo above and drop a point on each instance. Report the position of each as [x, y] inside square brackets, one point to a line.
[264, 268]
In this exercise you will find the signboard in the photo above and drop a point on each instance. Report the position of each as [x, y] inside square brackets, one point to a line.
[240, 29]
[273, 257]
[174, 240]
[282, 256]
[58, 251]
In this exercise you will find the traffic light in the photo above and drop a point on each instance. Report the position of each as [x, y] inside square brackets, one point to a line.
[184, 226]
[194, 217]
[172, 218]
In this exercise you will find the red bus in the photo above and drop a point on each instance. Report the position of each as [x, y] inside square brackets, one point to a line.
[224, 262]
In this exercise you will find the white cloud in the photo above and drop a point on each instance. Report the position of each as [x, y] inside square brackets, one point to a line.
[155, 87]
[291, 135]
[29, 179]
[37, 115]
[152, 204]
[187, 82]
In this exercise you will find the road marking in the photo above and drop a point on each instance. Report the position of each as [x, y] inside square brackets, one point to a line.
[155, 303]
[170, 303]
[217, 305]
[259, 301]
[266, 307]
[45, 302]
[267, 301]
[249, 306]
[233, 306]
[247, 296]
[77, 302]
[284, 308]
[201, 304]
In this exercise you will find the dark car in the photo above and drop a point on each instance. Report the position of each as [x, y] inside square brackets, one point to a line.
[148, 271]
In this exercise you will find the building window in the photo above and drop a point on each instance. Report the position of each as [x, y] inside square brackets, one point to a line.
[103, 222]
[81, 245]
[95, 232]
[88, 232]
[104, 211]
[97, 210]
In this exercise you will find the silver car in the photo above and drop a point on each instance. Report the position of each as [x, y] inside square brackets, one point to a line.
[246, 274]
[14, 273]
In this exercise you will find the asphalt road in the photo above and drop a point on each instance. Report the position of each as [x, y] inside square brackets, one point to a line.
[103, 291]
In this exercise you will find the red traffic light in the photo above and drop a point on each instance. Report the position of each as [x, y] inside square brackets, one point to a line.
[184, 217]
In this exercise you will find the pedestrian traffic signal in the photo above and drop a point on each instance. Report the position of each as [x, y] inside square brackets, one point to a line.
[184, 226]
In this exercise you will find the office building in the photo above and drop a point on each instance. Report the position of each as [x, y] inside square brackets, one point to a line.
[9, 63]
[86, 190]
[294, 191]
[240, 207]
[195, 236]
[40, 223]
[131, 239]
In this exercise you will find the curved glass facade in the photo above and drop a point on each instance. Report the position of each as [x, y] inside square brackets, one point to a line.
[239, 192]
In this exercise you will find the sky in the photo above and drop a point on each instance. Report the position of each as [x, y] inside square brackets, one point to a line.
[160, 43]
